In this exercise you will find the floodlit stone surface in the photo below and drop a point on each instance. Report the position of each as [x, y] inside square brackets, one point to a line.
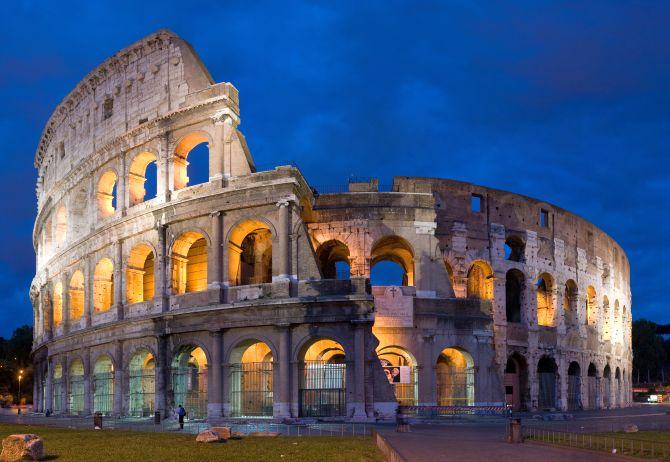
[208, 436]
[254, 294]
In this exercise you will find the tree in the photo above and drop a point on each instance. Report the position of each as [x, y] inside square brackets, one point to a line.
[14, 357]
[649, 355]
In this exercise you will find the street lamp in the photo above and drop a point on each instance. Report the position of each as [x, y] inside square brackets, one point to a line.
[20, 377]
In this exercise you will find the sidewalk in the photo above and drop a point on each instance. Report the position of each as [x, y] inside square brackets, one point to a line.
[478, 443]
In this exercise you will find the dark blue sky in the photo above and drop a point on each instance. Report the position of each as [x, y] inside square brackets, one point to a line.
[568, 102]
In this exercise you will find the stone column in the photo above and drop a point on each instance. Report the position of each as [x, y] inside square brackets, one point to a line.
[214, 391]
[427, 374]
[162, 292]
[65, 278]
[119, 386]
[162, 365]
[216, 148]
[283, 404]
[359, 372]
[89, 303]
[88, 383]
[163, 170]
[65, 388]
[122, 199]
[283, 234]
[119, 282]
[37, 379]
[48, 389]
[214, 273]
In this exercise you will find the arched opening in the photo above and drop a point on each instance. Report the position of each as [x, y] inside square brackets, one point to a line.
[103, 385]
[58, 304]
[616, 328]
[107, 194]
[189, 263]
[514, 249]
[333, 258]
[593, 388]
[455, 378]
[137, 178]
[545, 301]
[140, 274]
[251, 380]
[57, 390]
[250, 254]
[514, 288]
[570, 303]
[607, 387]
[617, 391]
[591, 306]
[400, 270]
[61, 226]
[141, 384]
[76, 387]
[322, 380]
[76, 296]
[546, 377]
[48, 245]
[189, 381]
[401, 371]
[191, 161]
[574, 387]
[103, 285]
[516, 382]
[480, 281]
[607, 327]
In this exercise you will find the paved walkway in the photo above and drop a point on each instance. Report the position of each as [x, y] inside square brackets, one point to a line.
[478, 443]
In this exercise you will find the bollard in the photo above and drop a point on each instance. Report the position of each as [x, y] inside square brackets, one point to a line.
[515, 435]
[157, 417]
[97, 420]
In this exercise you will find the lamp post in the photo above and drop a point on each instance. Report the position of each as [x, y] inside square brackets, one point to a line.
[20, 377]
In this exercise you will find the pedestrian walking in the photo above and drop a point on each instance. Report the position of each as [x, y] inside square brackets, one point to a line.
[181, 412]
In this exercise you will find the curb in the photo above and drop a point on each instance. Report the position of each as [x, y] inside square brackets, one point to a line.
[390, 453]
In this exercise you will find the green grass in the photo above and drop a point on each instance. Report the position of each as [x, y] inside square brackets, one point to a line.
[113, 445]
[643, 444]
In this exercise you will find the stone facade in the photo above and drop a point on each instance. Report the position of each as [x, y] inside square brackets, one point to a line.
[231, 295]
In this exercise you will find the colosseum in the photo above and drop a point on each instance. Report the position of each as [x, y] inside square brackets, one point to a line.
[251, 294]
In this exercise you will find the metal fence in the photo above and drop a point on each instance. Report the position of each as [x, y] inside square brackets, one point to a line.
[251, 393]
[322, 389]
[103, 392]
[599, 442]
[189, 387]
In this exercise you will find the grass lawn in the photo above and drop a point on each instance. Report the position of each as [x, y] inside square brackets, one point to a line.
[643, 444]
[113, 445]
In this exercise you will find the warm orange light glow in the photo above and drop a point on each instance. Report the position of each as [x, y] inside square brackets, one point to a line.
[189, 263]
[106, 194]
[103, 285]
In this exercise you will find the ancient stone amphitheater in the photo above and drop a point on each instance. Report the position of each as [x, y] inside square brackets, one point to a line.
[250, 294]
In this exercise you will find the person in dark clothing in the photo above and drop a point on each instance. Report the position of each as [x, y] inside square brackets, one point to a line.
[181, 412]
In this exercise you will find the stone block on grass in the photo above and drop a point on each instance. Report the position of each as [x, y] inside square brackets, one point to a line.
[22, 447]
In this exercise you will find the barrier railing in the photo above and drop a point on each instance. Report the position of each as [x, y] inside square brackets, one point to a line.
[599, 442]
[437, 411]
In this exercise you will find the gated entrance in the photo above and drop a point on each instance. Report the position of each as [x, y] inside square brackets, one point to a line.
[142, 384]
[546, 376]
[322, 380]
[189, 381]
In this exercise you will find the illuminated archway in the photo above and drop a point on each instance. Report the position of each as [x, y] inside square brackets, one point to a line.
[401, 371]
[480, 281]
[396, 250]
[516, 382]
[250, 253]
[141, 384]
[107, 194]
[607, 327]
[103, 385]
[546, 313]
[333, 258]
[455, 378]
[322, 379]
[103, 285]
[58, 304]
[140, 274]
[189, 263]
[189, 381]
[137, 176]
[76, 296]
[57, 390]
[181, 162]
[76, 387]
[252, 381]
